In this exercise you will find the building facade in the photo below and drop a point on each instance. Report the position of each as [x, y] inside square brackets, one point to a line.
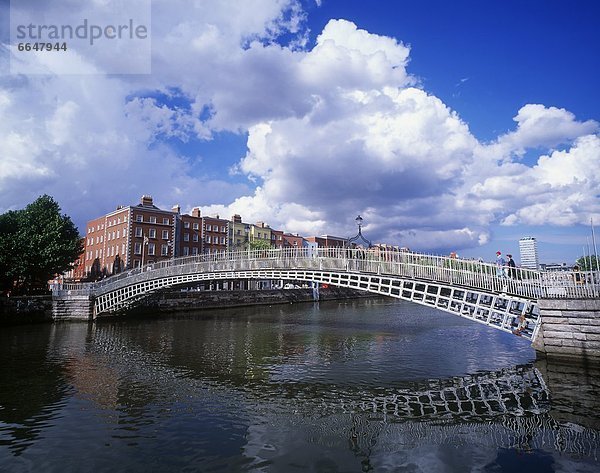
[529, 253]
[132, 236]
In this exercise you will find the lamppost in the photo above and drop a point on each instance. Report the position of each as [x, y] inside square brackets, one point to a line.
[143, 245]
[359, 236]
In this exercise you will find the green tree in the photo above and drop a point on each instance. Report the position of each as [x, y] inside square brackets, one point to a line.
[259, 245]
[37, 243]
[9, 226]
[587, 263]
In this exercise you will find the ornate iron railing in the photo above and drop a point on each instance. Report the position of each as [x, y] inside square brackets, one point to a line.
[526, 283]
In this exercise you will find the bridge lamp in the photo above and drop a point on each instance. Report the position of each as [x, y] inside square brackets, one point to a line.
[359, 221]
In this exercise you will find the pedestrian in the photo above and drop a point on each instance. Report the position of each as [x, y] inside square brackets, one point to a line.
[578, 276]
[512, 267]
[500, 264]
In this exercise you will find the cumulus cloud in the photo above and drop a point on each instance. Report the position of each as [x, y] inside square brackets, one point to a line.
[333, 129]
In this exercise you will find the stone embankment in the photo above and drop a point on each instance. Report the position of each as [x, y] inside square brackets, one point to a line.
[175, 300]
[20, 310]
[570, 329]
[25, 309]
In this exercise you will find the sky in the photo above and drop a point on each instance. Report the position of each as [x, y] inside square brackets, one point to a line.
[448, 126]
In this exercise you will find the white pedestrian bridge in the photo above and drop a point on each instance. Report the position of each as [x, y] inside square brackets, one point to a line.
[503, 298]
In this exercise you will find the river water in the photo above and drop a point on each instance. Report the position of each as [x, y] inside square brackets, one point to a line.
[363, 385]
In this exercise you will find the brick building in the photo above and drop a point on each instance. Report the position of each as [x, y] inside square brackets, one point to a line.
[144, 234]
[328, 241]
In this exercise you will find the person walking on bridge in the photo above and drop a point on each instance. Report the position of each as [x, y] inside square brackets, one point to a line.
[500, 265]
[512, 267]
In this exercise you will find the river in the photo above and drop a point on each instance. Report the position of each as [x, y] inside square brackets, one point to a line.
[362, 385]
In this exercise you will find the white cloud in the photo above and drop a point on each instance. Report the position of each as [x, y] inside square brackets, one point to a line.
[543, 127]
[335, 130]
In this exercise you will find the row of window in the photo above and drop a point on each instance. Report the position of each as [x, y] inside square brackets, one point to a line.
[110, 223]
[110, 251]
[116, 221]
[216, 240]
[164, 249]
[209, 227]
[152, 219]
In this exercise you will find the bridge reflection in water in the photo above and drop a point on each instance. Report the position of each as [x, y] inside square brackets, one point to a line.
[233, 391]
[512, 408]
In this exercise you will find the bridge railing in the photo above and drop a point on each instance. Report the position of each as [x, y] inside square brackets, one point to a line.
[441, 269]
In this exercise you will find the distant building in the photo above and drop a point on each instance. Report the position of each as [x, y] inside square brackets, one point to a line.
[328, 241]
[144, 234]
[529, 253]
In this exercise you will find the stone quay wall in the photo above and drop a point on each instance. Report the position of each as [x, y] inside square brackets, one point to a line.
[570, 329]
[25, 309]
[175, 300]
[33, 309]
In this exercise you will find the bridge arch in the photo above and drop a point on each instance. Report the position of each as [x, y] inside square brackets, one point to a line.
[466, 289]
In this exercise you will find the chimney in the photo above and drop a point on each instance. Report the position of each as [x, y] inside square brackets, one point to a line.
[176, 209]
[196, 212]
[146, 201]
[236, 218]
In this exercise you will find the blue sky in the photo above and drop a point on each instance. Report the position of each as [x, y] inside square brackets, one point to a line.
[449, 126]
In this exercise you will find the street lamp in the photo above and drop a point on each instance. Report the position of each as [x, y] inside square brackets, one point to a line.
[143, 245]
[359, 236]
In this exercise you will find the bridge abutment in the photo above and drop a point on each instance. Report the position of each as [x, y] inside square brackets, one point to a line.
[72, 307]
[570, 329]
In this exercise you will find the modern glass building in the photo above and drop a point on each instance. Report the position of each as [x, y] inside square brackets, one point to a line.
[529, 253]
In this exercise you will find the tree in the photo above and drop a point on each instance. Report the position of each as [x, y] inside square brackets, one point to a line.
[37, 243]
[259, 245]
[8, 261]
[588, 263]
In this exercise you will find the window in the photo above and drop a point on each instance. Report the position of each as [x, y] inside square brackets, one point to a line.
[118, 233]
[196, 226]
[164, 250]
[139, 218]
[152, 233]
[239, 232]
[152, 219]
[124, 233]
[137, 249]
[208, 239]
[223, 229]
[186, 224]
[223, 241]
[165, 234]
[123, 249]
[208, 228]
[194, 251]
[186, 251]
[138, 231]
[195, 237]
[166, 221]
[186, 237]
[151, 249]
[119, 220]
[136, 263]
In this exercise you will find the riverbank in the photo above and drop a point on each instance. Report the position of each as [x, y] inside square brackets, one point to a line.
[184, 301]
[25, 309]
[38, 309]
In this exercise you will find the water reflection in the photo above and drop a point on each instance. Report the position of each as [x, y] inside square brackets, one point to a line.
[369, 385]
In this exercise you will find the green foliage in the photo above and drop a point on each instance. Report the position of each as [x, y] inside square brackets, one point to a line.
[35, 244]
[259, 245]
[588, 263]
